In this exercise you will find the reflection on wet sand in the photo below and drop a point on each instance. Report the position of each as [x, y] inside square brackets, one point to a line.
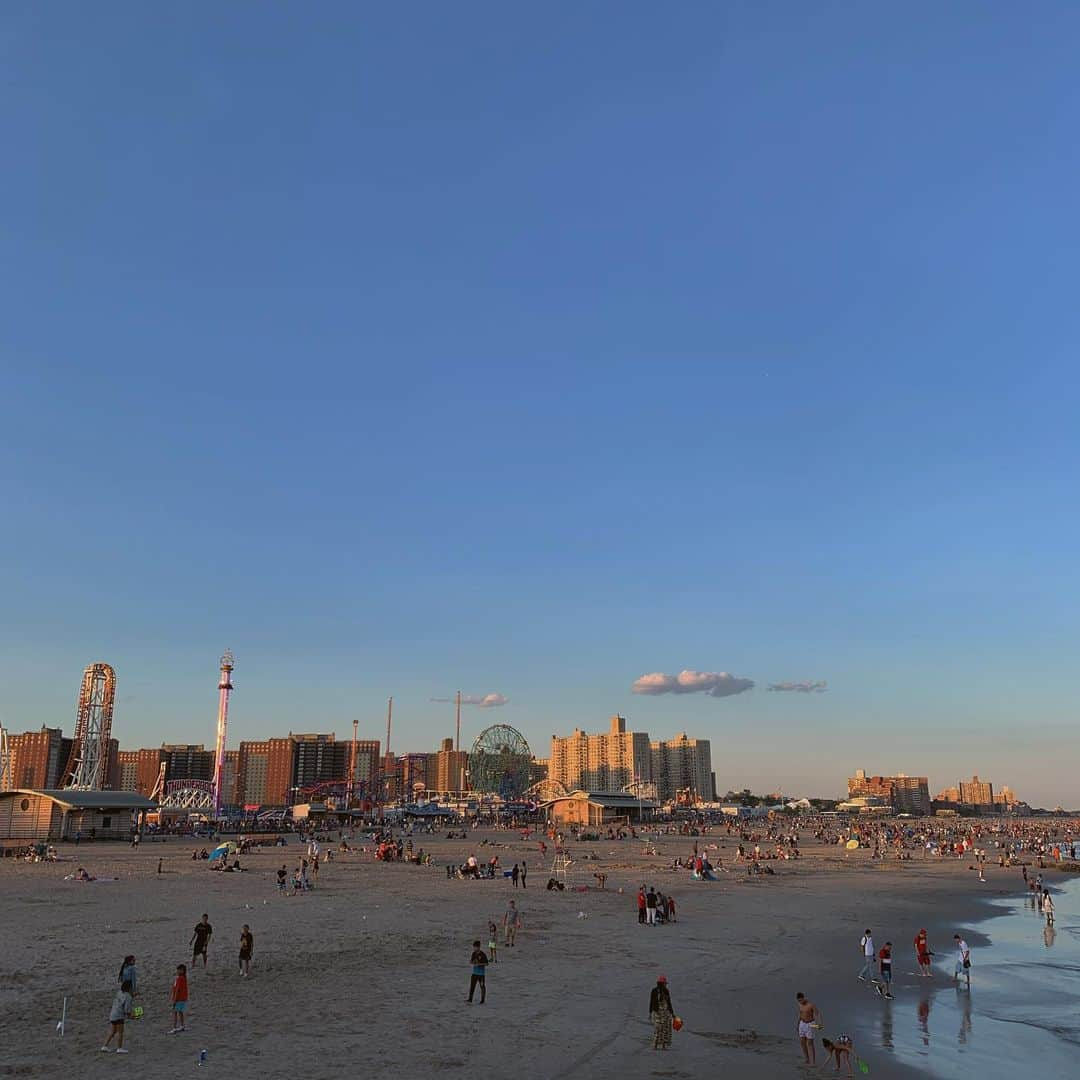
[924, 1018]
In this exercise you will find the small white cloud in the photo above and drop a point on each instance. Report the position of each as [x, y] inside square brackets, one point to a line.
[799, 687]
[712, 683]
[483, 701]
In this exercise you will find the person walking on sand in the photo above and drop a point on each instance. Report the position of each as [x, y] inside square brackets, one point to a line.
[515, 874]
[200, 939]
[641, 905]
[524, 872]
[809, 1022]
[661, 1013]
[869, 955]
[247, 947]
[120, 1011]
[479, 968]
[493, 942]
[923, 954]
[511, 923]
[885, 970]
[963, 960]
[179, 998]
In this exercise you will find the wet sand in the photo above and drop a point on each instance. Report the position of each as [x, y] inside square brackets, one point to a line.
[370, 971]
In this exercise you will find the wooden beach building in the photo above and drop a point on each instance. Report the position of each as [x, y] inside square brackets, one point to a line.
[598, 808]
[50, 814]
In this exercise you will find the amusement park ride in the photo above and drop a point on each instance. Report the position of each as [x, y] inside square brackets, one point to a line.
[88, 762]
[203, 796]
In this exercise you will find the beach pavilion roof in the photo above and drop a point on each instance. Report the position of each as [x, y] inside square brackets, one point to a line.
[611, 800]
[89, 800]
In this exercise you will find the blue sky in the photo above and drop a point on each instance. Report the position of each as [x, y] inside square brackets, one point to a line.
[529, 352]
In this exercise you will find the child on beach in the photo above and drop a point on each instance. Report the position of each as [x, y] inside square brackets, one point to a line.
[841, 1052]
[179, 999]
[120, 1011]
[493, 940]
[247, 947]
[479, 966]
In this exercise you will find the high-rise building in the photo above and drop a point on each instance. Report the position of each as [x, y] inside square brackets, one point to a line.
[228, 778]
[905, 794]
[148, 766]
[129, 770]
[318, 759]
[538, 770]
[279, 771]
[112, 765]
[38, 758]
[682, 768]
[252, 761]
[188, 761]
[976, 792]
[451, 768]
[607, 762]
[366, 778]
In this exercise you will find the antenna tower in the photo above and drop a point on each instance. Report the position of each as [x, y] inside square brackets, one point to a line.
[93, 727]
[224, 689]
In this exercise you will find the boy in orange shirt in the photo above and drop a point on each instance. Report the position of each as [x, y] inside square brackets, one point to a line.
[179, 999]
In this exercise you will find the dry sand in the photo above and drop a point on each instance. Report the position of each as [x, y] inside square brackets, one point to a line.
[368, 974]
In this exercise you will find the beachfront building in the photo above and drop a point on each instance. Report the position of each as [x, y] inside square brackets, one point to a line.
[451, 768]
[682, 769]
[976, 792]
[865, 804]
[188, 761]
[599, 763]
[905, 794]
[38, 757]
[598, 808]
[27, 814]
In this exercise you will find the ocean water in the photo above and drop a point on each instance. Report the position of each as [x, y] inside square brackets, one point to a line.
[1022, 1015]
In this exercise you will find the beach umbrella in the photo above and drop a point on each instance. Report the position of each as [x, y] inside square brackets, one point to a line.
[220, 851]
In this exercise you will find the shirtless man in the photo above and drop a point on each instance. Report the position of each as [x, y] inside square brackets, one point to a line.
[809, 1022]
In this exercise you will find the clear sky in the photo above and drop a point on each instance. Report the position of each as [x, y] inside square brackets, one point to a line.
[534, 350]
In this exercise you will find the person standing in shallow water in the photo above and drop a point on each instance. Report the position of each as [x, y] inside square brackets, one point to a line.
[661, 1012]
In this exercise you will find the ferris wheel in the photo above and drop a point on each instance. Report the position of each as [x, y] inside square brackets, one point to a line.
[499, 762]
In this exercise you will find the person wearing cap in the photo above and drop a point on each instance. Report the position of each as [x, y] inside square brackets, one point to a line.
[661, 1012]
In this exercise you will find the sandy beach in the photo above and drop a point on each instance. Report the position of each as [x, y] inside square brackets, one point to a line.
[370, 970]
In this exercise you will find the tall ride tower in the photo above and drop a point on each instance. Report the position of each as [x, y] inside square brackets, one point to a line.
[86, 766]
[224, 689]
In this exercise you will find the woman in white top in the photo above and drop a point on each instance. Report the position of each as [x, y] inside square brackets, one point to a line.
[1048, 907]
